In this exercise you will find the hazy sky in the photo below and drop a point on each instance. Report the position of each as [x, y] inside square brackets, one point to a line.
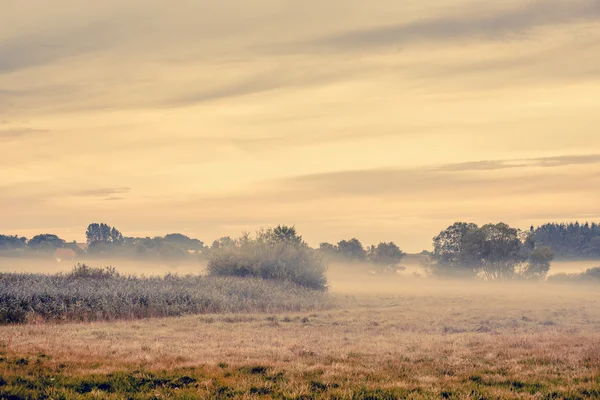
[382, 120]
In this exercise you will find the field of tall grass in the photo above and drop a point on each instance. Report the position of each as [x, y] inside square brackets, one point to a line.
[92, 294]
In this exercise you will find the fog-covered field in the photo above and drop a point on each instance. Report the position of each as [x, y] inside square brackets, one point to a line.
[153, 268]
[382, 337]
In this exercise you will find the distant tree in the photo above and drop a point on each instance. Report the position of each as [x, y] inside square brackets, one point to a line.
[269, 255]
[387, 254]
[103, 233]
[222, 243]
[184, 241]
[572, 240]
[537, 265]
[502, 250]
[327, 248]
[285, 233]
[458, 250]
[46, 242]
[12, 242]
[494, 251]
[352, 250]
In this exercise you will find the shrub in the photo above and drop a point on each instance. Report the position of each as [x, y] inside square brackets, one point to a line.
[82, 271]
[270, 255]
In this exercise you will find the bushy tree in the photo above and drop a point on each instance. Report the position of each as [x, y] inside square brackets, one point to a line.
[494, 251]
[283, 233]
[458, 250]
[269, 256]
[222, 243]
[183, 241]
[538, 264]
[12, 242]
[46, 241]
[351, 250]
[103, 233]
[386, 254]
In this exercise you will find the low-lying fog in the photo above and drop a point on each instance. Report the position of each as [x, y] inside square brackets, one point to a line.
[339, 274]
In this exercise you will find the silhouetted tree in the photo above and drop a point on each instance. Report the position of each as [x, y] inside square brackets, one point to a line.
[351, 250]
[223, 242]
[46, 242]
[573, 240]
[387, 254]
[103, 233]
[495, 251]
[184, 241]
[12, 242]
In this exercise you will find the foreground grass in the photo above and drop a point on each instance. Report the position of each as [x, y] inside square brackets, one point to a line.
[39, 377]
[435, 342]
[96, 295]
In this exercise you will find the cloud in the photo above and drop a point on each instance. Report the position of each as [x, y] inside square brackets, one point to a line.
[462, 25]
[265, 80]
[46, 47]
[103, 192]
[491, 165]
[562, 161]
[478, 166]
[18, 132]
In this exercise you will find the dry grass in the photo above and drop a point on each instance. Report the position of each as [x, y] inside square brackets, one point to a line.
[388, 338]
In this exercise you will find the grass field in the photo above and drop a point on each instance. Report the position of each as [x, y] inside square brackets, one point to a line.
[384, 338]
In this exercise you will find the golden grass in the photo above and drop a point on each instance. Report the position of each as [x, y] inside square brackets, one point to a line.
[388, 337]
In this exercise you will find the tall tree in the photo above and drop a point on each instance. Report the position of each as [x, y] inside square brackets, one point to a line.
[103, 233]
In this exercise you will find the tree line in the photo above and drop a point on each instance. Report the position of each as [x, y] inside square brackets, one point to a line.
[573, 240]
[492, 251]
[103, 240]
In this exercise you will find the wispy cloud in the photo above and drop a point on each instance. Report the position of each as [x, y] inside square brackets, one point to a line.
[464, 24]
[478, 166]
[46, 47]
[103, 192]
[490, 165]
[18, 132]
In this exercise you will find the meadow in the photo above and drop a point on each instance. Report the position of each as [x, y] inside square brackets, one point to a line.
[378, 337]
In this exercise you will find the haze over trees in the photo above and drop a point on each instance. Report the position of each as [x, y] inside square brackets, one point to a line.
[493, 251]
[386, 254]
[573, 240]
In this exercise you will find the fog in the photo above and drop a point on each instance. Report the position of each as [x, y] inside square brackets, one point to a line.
[341, 276]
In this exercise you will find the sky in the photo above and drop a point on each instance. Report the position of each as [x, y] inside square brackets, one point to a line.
[385, 120]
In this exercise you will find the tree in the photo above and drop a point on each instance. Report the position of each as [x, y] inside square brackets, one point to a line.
[537, 265]
[458, 250]
[284, 259]
[46, 242]
[572, 240]
[494, 252]
[222, 243]
[12, 242]
[282, 233]
[103, 233]
[502, 250]
[184, 241]
[327, 248]
[386, 254]
[352, 250]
